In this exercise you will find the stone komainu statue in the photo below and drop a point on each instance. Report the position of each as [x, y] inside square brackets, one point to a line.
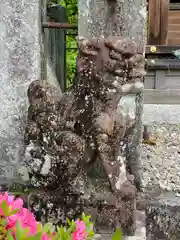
[73, 142]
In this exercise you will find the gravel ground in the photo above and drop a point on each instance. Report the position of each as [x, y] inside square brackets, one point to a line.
[161, 113]
[161, 163]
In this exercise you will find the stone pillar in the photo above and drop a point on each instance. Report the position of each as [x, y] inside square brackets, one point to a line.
[126, 18]
[19, 64]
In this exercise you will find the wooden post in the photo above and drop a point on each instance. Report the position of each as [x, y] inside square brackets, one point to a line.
[164, 22]
[158, 22]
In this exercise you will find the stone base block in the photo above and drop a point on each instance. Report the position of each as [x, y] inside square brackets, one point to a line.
[140, 233]
[108, 211]
[111, 212]
[117, 216]
[163, 218]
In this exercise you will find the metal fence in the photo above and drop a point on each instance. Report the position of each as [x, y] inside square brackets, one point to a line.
[58, 30]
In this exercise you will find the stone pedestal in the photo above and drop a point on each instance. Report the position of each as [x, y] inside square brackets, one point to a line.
[163, 218]
[110, 212]
[107, 211]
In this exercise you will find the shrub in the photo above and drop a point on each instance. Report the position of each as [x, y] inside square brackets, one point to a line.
[18, 223]
[71, 52]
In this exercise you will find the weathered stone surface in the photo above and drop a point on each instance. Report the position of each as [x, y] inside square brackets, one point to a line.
[163, 218]
[140, 233]
[107, 212]
[103, 18]
[73, 143]
[117, 214]
[19, 64]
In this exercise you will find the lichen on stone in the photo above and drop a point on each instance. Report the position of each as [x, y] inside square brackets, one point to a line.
[70, 137]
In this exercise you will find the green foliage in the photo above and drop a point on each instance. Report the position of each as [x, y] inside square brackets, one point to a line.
[47, 232]
[117, 235]
[83, 228]
[71, 53]
[6, 210]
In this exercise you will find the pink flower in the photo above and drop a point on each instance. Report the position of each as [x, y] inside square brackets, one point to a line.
[80, 233]
[46, 237]
[12, 204]
[24, 216]
[12, 221]
[10, 198]
[27, 220]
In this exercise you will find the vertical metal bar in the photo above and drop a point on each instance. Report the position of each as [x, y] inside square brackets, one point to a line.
[65, 62]
[44, 41]
[41, 41]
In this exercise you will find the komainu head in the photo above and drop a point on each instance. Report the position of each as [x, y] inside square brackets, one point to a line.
[116, 62]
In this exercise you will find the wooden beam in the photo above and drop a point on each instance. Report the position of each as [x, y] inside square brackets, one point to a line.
[173, 27]
[168, 96]
[158, 22]
[174, 14]
[174, 41]
[162, 49]
[173, 21]
[164, 64]
[174, 6]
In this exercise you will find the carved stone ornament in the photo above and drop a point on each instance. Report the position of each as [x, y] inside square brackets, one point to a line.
[74, 154]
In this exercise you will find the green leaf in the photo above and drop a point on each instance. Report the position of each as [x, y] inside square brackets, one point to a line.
[14, 212]
[83, 216]
[39, 227]
[38, 236]
[117, 235]
[71, 229]
[61, 233]
[19, 231]
[68, 221]
[47, 228]
[91, 233]
[3, 222]
[9, 236]
[86, 219]
[5, 208]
